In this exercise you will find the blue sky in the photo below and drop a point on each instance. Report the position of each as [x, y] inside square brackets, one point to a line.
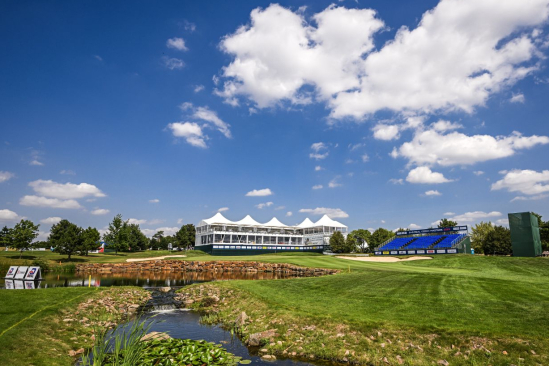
[378, 113]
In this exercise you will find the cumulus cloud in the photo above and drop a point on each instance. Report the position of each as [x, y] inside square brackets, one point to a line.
[414, 227]
[190, 131]
[198, 88]
[206, 114]
[137, 221]
[37, 201]
[154, 200]
[8, 215]
[449, 213]
[100, 211]
[51, 220]
[424, 175]
[503, 222]
[318, 168]
[289, 213]
[529, 182]
[5, 176]
[259, 192]
[320, 151]
[530, 198]
[167, 231]
[365, 158]
[176, 43]
[67, 172]
[433, 193]
[36, 162]
[386, 132]
[431, 147]
[396, 181]
[517, 98]
[262, 205]
[478, 173]
[318, 186]
[475, 216]
[331, 212]
[223, 209]
[335, 182]
[281, 51]
[49, 188]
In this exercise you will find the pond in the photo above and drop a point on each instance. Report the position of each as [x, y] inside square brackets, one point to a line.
[141, 279]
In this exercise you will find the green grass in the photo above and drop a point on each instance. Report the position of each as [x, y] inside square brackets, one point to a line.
[26, 329]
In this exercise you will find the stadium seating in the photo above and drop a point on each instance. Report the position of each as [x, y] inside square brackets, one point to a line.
[447, 241]
[396, 243]
[423, 242]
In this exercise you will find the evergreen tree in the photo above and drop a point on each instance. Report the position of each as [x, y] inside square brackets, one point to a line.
[380, 236]
[498, 242]
[351, 244]
[137, 240]
[23, 234]
[6, 237]
[117, 236]
[337, 242]
[89, 240]
[65, 237]
[447, 223]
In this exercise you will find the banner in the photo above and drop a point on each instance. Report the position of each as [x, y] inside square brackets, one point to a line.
[433, 231]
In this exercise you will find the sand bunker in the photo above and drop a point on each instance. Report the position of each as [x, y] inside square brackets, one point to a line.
[385, 259]
[153, 258]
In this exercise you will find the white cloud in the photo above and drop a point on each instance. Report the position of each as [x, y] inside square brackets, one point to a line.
[48, 202]
[354, 147]
[262, 205]
[331, 212]
[98, 58]
[259, 193]
[478, 173]
[318, 168]
[365, 158]
[386, 132]
[176, 43]
[36, 162]
[191, 27]
[504, 222]
[5, 176]
[206, 114]
[318, 186]
[198, 88]
[460, 53]
[49, 188]
[335, 182]
[154, 200]
[180, 221]
[349, 161]
[530, 198]
[517, 98]
[289, 213]
[190, 131]
[8, 215]
[173, 63]
[396, 181]
[442, 126]
[42, 236]
[529, 182]
[137, 221]
[433, 193]
[51, 220]
[429, 147]
[414, 227]
[100, 211]
[475, 216]
[449, 213]
[280, 208]
[67, 172]
[320, 151]
[223, 209]
[167, 231]
[424, 175]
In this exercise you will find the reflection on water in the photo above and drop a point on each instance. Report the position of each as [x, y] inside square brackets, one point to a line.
[141, 279]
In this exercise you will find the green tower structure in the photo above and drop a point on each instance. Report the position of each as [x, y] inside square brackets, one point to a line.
[525, 237]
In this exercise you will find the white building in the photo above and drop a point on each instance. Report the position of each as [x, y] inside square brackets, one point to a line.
[219, 234]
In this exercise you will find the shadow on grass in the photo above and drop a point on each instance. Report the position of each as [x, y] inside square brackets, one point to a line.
[29, 257]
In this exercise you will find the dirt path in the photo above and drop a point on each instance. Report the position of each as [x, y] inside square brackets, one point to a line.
[153, 258]
[384, 259]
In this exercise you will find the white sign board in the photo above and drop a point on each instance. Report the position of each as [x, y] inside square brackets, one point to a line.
[21, 272]
[30, 285]
[11, 272]
[33, 274]
[19, 285]
[9, 285]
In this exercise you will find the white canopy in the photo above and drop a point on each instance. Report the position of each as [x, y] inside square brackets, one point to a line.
[218, 219]
[274, 223]
[326, 221]
[306, 223]
[248, 221]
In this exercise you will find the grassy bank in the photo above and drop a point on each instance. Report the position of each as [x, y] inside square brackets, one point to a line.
[462, 309]
[42, 327]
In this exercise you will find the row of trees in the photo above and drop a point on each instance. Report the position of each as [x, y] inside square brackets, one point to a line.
[69, 239]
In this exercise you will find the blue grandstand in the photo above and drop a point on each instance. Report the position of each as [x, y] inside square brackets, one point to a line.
[433, 243]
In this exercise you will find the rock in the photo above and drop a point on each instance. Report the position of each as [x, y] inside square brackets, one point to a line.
[264, 350]
[68, 320]
[279, 343]
[385, 360]
[532, 352]
[165, 289]
[155, 335]
[443, 362]
[339, 335]
[399, 360]
[76, 353]
[505, 353]
[241, 320]
[268, 357]
[255, 339]
[382, 345]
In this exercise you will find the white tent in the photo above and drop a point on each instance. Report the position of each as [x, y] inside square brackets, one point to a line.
[217, 219]
[248, 221]
[305, 224]
[275, 223]
[326, 221]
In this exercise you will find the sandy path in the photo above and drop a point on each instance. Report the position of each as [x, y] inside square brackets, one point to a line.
[153, 258]
[384, 259]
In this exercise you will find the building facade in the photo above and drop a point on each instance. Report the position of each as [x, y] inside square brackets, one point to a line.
[219, 235]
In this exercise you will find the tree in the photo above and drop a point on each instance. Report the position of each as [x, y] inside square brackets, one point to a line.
[351, 244]
[447, 223]
[117, 234]
[23, 234]
[89, 240]
[185, 236]
[380, 236]
[136, 239]
[6, 237]
[543, 232]
[65, 237]
[478, 235]
[337, 242]
[498, 242]
[363, 239]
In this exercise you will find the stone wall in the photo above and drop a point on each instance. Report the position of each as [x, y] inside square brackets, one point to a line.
[193, 266]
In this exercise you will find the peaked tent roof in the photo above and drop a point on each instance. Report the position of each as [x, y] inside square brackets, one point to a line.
[274, 223]
[218, 218]
[306, 223]
[248, 221]
[326, 221]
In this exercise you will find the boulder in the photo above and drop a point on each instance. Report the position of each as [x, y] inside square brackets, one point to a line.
[255, 339]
